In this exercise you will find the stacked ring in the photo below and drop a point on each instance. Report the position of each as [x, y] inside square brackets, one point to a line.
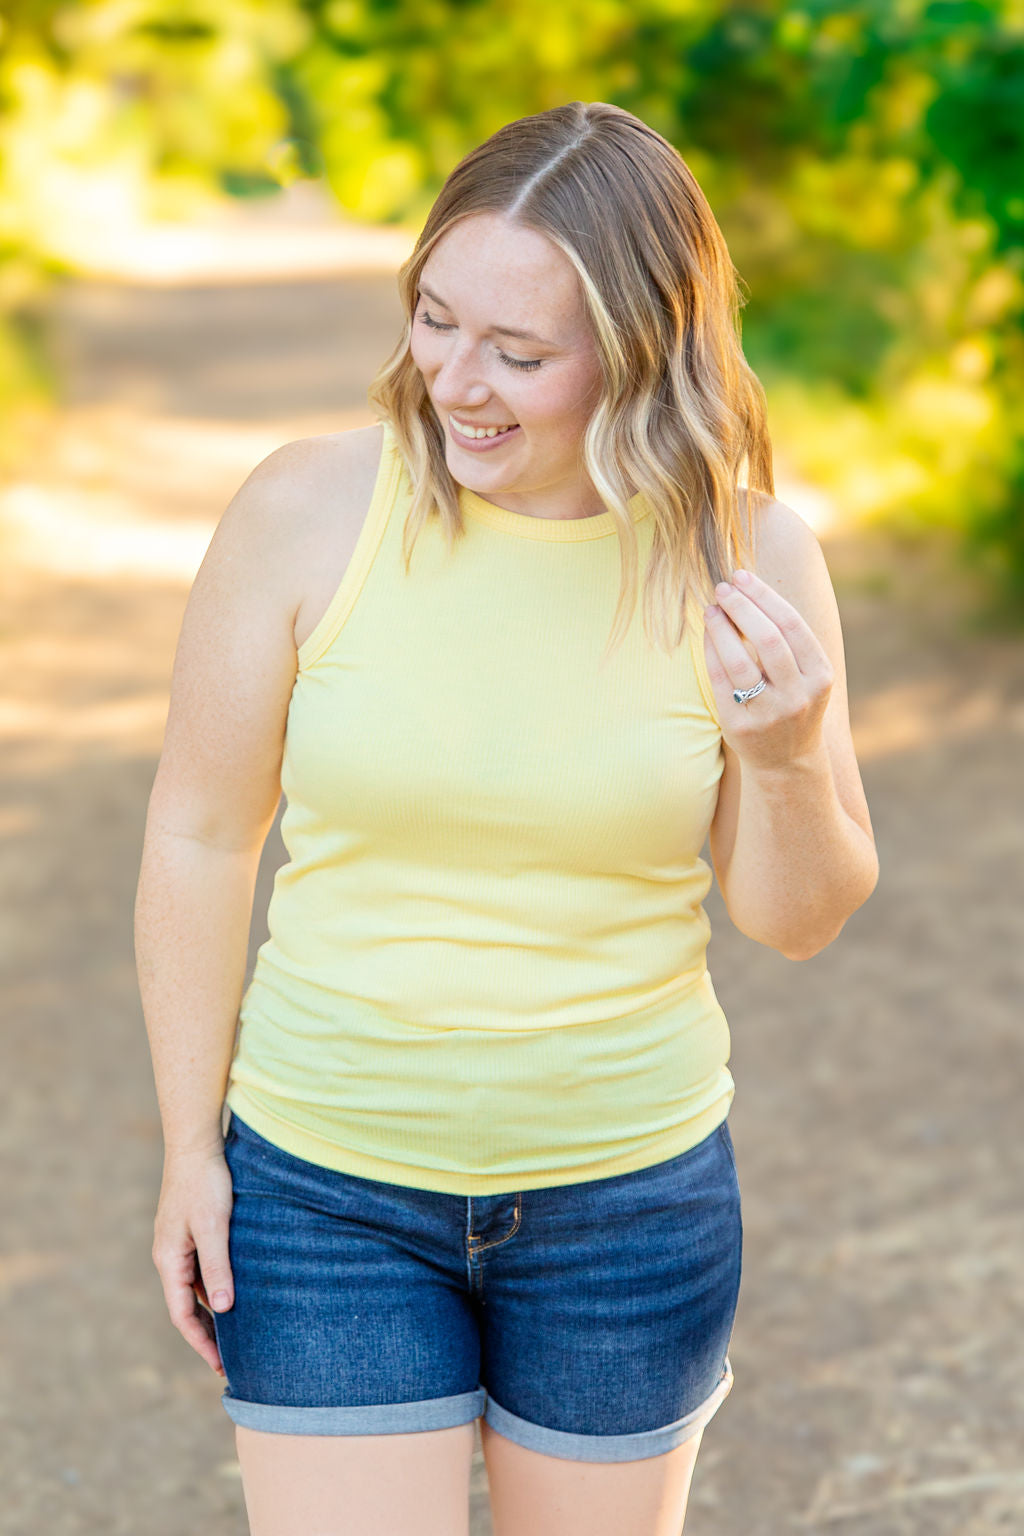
[741, 695]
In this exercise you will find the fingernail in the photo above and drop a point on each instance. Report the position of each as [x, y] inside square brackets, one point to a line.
[710, 613]
[221, 1301]
[743, 577]
[723, 589]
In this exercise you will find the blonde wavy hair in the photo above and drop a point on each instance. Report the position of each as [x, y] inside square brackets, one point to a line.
[681, 411]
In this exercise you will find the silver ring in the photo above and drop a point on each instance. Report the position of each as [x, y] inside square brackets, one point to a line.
[741, 695]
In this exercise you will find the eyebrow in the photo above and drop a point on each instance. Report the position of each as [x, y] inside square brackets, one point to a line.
[501, 330]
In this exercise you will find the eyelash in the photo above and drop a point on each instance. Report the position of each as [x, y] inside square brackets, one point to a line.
[513, 362]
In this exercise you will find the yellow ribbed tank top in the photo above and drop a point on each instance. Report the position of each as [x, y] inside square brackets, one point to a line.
[486, 964]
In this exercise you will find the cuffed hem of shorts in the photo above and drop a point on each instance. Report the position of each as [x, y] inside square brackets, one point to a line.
[372, 1419]
[637, 1447]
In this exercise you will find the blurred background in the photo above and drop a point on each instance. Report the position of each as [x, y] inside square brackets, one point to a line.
[202, 210]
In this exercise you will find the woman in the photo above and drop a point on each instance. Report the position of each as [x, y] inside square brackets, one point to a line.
[477, 1163]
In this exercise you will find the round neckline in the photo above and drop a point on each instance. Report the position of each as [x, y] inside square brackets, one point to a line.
[562, 530]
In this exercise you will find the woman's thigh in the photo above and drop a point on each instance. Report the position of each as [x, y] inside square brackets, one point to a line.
[376, 1485]
[536, 1495]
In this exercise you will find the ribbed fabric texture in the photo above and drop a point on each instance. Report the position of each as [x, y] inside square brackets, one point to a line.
[486, 967]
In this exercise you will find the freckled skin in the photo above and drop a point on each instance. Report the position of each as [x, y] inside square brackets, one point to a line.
[492, 272]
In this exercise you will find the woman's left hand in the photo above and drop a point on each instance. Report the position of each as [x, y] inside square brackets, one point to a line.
[784, 722]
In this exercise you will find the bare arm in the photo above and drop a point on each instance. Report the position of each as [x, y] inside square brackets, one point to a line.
[791, 842]
[192, 912]
[192, 915]
[213, 802]
[214, 798]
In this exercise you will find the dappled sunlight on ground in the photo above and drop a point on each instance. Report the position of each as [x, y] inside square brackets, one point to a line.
[910, 716]
[298, 232]
[22, 1269]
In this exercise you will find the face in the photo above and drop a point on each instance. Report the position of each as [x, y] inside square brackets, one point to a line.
[486, 278]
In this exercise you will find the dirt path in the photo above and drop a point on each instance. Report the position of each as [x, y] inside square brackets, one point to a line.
[877, 1117]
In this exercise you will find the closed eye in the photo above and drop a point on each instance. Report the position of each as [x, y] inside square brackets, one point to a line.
[513, 362]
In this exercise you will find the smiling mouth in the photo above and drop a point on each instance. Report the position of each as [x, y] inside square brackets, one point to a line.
[478, 432]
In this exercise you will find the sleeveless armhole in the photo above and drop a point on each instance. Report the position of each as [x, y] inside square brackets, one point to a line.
[696, 621]
[358, 568]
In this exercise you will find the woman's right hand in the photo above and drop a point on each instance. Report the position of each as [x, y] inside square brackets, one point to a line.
[190, 1245]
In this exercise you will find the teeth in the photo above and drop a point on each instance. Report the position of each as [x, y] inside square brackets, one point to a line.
[479, 431]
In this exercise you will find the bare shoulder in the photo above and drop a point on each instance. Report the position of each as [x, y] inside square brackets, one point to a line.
[326, 466]
[296, 518]
[283, 542]
[334, 476]
[782, 539]
[788, 555]
[304, 506]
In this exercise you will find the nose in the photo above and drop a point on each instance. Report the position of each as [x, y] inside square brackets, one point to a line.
[457, 384]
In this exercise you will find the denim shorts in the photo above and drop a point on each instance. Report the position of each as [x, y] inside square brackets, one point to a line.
[588, 1321]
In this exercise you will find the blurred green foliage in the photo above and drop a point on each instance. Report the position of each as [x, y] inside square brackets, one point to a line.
[865, 161]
